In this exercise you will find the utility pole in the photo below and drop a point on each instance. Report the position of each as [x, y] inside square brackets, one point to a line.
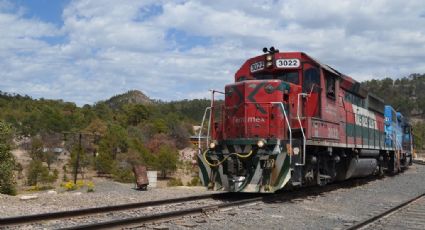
[77, 164]
[80, 148]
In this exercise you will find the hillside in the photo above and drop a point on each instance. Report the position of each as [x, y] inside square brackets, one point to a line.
[130, 97]
[406, 94]
[115, 134]
[131, 128]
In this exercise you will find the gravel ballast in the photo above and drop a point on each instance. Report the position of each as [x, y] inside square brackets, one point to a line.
[106, 193]
[337, 209]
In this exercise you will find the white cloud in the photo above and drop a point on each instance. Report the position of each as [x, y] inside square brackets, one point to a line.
[180, 49]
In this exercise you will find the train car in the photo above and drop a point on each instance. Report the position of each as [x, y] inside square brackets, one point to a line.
[289, 121]
[398, 136]
[406, 139]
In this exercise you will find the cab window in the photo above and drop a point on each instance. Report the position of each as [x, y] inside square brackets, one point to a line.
[291, 77]
[311, 78]
[263, 76]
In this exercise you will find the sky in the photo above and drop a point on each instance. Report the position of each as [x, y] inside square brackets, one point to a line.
[85, 51]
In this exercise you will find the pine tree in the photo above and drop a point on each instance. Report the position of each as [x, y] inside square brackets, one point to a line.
[7, 161]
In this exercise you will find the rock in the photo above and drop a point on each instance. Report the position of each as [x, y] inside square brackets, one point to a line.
[161, 227]
[77, 193]
[189, 225]
[200, 221]
[52, 192]
[28, 197]
[216, 218]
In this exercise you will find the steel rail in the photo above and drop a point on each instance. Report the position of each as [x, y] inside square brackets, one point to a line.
[103, 209]
[383, 214]
[281, 197]
[418, 162]
[242, 199]
[161, 216]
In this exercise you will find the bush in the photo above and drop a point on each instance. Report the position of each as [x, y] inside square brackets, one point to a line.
[174, 182]
[70, 186]
[37, 173]
[194, 182]
[8, 189]
[37, 188]
[90, 186]
[124, 175]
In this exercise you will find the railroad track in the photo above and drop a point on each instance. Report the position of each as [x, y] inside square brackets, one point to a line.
[418, 162]
[31, 219]
[407, 215]
[147, 212]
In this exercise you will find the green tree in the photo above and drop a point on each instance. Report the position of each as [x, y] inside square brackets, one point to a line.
[7, 161]
[167, 160]
[50, 157]
[115, 141]
[136, 113]
[36, 152]
[419, 135]
[37, 173]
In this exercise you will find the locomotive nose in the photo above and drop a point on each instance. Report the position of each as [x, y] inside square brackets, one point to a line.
[253, 109]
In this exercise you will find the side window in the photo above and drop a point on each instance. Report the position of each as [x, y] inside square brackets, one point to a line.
[330, 85]
[311, 80]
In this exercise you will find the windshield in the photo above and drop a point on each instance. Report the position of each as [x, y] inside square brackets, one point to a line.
[291, 77]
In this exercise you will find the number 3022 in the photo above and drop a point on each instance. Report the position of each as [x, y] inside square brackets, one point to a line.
[287, 63]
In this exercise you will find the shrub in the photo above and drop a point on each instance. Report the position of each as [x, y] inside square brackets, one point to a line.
[174, 182]
[70, 186]
[90, 186]
[39, 173]
[124, 175]
[33, 188]
[194, 182]
[80, 184]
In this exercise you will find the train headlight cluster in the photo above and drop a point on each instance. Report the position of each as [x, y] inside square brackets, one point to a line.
[261, 143]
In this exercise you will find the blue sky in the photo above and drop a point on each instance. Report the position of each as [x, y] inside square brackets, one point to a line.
[88, 50]
[45, 10]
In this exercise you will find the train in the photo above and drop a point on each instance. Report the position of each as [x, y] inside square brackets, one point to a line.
[291, 121]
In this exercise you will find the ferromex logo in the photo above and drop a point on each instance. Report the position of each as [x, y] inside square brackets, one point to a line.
[249, 120]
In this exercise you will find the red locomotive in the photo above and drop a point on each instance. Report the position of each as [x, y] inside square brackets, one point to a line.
[289, 120]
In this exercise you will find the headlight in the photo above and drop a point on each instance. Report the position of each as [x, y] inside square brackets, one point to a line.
[269, 64]
[212, 145]
[261, 143]
[269, 57]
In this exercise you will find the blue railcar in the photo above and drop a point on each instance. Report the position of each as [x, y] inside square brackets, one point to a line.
[406, 135]
[398, 135]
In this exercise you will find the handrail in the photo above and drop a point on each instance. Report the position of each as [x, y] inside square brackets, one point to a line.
[211, 118]
[200, 130]
[289, 127]
[301, 127]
